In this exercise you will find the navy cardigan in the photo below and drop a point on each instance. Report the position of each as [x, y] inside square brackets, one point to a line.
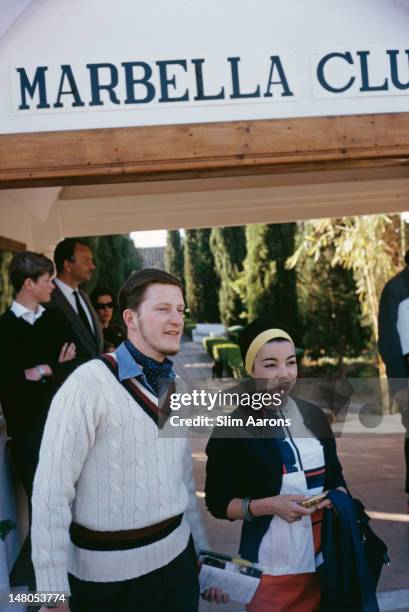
[252, 467]
[352, 564]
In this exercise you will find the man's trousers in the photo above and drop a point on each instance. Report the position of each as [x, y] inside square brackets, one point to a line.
[172, 588]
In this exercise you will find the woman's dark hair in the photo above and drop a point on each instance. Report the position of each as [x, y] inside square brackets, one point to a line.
[64, 251]
[132, 291]
[98, 291]
[407, 257]
[28, 265]
[255, 328]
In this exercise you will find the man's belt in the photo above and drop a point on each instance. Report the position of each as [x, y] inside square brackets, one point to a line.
[122, 540]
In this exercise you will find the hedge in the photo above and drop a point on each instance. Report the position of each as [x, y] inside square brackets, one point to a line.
[230, 356]
[210, 341]
[233, 333]
[189, 326]
[222, 349]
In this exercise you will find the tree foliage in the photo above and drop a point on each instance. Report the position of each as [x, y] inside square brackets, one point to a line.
[174, 261]
[116, 257]
[6, 290]
[202, 283]
[267, 287]
[330, 309]
[365, 245]
[228, 245]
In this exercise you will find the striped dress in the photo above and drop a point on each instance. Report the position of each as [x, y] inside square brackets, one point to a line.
[289, 553]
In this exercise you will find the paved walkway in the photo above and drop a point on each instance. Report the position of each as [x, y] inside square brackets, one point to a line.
[374, 470]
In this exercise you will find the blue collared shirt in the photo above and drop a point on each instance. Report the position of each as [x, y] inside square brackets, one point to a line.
[129, 368]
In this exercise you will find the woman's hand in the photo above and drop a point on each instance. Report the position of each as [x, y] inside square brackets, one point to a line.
[327, 503]
[67, 353]
[284, 506]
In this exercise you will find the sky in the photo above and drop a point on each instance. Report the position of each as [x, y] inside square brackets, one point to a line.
[151, 238]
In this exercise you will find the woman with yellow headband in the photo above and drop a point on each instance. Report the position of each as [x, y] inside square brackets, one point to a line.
[262, 477]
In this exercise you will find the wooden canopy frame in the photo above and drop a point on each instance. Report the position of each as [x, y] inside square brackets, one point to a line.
[200, 150]
[6, 244]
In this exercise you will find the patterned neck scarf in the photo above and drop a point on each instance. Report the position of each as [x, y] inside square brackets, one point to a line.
[152, 369]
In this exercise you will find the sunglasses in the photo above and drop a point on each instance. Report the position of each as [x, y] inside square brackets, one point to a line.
[103, 306]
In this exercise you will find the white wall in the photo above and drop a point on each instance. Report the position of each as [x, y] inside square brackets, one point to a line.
[41, 217]
[15, 221]
[31, 216]
[10, 10]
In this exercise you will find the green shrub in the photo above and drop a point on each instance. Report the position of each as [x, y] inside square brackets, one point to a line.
[222, 349]
[189, 326]
[210, 341]
[230, 356]
[233, 333]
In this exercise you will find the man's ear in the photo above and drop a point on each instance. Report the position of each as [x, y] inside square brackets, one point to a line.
[67, 265]
[28, 284]
[130, 318]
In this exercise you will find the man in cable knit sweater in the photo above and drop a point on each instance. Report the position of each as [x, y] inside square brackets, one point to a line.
[114, 505]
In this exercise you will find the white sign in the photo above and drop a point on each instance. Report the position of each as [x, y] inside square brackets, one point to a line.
[223, 79]
[104, 63]
[136, 84]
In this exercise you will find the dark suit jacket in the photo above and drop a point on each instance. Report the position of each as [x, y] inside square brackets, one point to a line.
[252, 467]
[395, 291]
[88, 345]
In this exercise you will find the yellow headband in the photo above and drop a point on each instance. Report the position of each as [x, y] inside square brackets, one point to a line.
[259, 341]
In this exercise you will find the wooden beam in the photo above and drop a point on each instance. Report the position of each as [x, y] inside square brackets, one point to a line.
[6, 244]
[192, 151]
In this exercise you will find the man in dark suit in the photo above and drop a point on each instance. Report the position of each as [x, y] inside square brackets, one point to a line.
[392, 343]
[74, 263]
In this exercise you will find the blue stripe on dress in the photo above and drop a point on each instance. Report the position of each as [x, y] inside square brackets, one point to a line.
[288, 457]
[315, 477]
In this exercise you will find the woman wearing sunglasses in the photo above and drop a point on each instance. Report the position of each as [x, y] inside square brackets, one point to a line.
[264, 477]
[103, 302]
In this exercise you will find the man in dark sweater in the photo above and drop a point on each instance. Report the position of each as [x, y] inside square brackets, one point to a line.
[37, 355]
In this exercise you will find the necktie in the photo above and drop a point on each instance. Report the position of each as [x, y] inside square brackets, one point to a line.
[82, 313]
[154, 370]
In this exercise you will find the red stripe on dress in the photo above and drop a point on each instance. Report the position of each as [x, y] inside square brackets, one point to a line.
[314, 472]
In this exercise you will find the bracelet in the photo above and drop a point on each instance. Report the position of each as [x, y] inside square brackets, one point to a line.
[40, 370]
[246, 509]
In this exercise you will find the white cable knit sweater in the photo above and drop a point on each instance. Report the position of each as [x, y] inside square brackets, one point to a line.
[103, 465]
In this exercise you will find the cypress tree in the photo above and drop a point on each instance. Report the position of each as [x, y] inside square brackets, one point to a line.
[271, 289]
[228, 246]
[330, 307]
[200, 277]
[174, 261]
[116, 257]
